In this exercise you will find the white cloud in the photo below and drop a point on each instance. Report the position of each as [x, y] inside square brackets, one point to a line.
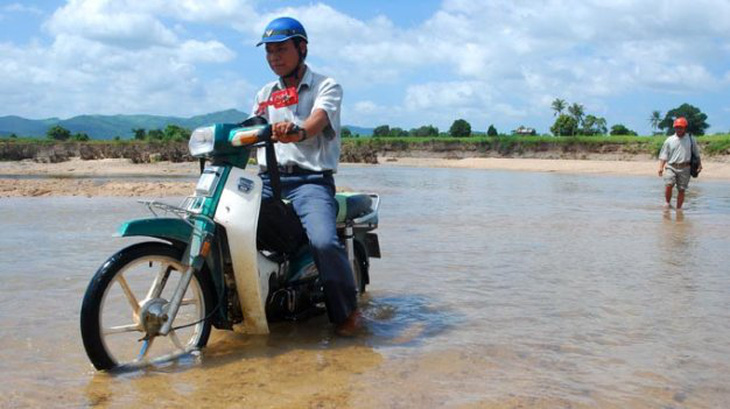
[137, 24]
[346, 40]
[446, 95]
[120, 57]
[368, 112]
[208, 51]
[21, 8]
[503, 110]
[679, 78]
[99, 21]
[209, 11]
[44, 82]
[504, 60]
[367, 107]
[442, 102]
[586, 50]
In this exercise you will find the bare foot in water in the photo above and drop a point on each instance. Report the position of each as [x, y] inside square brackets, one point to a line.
[351, 326]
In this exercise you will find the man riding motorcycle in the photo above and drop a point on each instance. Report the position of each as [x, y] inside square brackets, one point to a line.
[308, 132]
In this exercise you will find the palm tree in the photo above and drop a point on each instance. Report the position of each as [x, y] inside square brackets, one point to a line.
[601, 124]
[558, 106]
[577, 111]
[594, 125]
[655, 119]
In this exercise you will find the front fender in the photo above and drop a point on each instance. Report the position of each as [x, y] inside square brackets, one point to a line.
[165, 228]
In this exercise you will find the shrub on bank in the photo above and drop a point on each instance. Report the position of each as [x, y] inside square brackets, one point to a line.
[364, 150]
[506, 145]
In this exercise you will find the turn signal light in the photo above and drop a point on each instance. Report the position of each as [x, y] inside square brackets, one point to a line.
[205, 249]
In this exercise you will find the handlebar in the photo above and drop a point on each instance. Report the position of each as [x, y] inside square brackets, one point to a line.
[256, 132]
[257, 135]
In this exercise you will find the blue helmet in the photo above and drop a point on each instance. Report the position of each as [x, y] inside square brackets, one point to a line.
[282, 29]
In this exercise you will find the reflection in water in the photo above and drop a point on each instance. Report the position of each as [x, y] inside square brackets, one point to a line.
[495, 289]
[677, 240]
[290, 368]
[291, 363]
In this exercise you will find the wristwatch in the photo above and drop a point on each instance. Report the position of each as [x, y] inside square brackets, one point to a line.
[302, 134]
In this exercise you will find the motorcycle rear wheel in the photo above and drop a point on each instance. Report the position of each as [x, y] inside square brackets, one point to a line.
[127, 293]
[358, 267]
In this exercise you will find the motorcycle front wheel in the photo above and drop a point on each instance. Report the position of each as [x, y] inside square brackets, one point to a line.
[127, 299]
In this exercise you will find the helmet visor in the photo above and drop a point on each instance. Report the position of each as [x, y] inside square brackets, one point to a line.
[278, 36]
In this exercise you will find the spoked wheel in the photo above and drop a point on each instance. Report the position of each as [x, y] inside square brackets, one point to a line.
[126, 304]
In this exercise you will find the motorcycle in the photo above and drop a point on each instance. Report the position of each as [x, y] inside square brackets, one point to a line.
[224, 258]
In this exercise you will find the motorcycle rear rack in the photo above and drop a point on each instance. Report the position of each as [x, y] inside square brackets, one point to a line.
[180, 212]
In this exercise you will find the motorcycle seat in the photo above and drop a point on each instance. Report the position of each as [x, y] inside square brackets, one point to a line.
[352, 205]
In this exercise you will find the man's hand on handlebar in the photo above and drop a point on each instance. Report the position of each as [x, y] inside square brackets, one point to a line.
[286, 132]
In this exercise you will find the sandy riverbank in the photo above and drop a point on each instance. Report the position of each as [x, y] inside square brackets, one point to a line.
[87, 177]
[712, 170]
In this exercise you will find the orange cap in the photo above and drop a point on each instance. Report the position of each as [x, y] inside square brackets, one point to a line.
[680, 122]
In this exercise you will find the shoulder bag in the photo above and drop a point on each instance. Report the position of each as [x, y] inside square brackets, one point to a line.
[694, 162]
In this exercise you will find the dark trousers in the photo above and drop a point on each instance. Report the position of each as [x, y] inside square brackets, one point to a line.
[313, 199]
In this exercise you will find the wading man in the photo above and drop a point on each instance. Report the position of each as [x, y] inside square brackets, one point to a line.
[674, 162]
[307, 158]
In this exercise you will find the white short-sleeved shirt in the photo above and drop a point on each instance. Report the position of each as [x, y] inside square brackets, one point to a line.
[318, 152]
[678, 150]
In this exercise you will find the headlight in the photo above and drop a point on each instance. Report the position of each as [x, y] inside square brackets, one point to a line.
[202, 141]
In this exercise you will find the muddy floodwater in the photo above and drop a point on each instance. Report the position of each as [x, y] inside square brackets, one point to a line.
[495, 290]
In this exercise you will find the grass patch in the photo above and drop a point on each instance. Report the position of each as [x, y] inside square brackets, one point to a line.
[710, 144]
[715, 144]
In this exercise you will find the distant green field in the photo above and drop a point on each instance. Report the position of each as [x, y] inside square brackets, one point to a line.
[710, 144]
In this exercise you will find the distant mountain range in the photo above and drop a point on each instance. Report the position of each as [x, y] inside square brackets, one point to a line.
[110, 126]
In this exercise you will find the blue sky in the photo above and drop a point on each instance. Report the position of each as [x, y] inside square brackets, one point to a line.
[402, 63]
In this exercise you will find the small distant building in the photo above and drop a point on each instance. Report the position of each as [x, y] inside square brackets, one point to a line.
[523, 130]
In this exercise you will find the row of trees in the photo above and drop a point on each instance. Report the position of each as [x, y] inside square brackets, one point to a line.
[171, 133]
[576, 122]
[696, 120]
[59, 133]
[459, 128]
[386, 130]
